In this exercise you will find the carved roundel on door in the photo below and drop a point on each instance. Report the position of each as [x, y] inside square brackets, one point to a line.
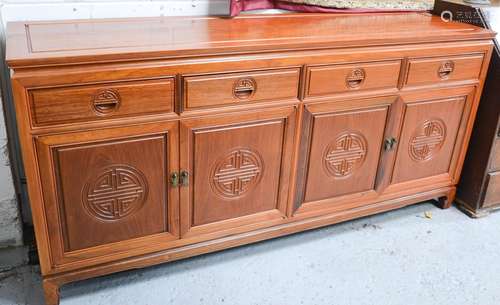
[236, 173]
[117, 192]
[427, 140]
[345, 154]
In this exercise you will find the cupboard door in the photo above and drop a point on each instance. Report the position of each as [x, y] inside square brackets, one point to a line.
[432, 135]
[109, 189]
[344, 141]
[239, 167]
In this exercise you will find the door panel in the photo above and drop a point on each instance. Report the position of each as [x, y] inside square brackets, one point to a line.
[108, 193]
[242, 166]
[239, 168]
[120, 195]
[428, 138]
[345, 150]
[344, 144]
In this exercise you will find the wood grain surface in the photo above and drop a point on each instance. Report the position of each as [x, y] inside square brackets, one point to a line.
[150, 140]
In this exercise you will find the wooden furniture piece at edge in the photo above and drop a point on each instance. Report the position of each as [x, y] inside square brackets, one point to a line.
[151, 140]
[478, 192]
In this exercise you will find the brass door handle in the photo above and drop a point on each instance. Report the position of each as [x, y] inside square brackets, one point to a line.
[389, 144]
[174, 179]
[184, 178]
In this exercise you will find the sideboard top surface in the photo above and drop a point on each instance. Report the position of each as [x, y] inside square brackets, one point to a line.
[87, 41]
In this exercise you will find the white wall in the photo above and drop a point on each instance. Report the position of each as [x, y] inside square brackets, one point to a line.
[13, 10]
[10, 220]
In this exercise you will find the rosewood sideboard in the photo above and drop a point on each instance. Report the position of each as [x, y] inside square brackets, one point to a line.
[478, 191]
[151, 140]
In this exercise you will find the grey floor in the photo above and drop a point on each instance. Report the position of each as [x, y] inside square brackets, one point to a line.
[400, 257]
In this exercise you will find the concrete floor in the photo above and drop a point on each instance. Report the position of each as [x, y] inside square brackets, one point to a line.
[400, 257]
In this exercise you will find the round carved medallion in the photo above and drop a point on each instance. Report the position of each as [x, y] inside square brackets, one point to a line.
[345, 154]
[236, 173]
[427, 139]
[118, 191]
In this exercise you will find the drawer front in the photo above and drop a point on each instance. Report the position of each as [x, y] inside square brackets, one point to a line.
[343, 78]
[495, 157]
[102, 101]
[442, 69]
[492, 196]
[233, 88]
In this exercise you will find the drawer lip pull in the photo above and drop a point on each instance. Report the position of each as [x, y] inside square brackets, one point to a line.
[355, 78]
[106, 101]
[244, 88]
[446, 69]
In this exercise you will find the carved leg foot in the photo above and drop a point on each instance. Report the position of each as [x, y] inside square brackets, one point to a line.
[51, 292]
[446, 201]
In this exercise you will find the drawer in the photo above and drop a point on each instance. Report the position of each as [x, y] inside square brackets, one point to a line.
[441, 69]
[342, 78]
[495, 157]
[101, 101]
[233, 88]
[492, 196]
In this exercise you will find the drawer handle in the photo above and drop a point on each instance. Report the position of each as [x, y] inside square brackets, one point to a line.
[355, 78]
[244, 88]
[106, 101]
[446, 69]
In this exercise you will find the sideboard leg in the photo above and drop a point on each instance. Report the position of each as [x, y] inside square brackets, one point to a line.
[445, 202]
[51, 292]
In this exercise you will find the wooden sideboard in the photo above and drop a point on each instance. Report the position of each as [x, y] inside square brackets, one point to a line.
[478, 192]
[151, 140]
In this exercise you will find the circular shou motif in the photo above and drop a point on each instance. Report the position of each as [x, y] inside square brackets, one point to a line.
[117, 192]
[345, 154]
[236, 173]
[427, 139]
